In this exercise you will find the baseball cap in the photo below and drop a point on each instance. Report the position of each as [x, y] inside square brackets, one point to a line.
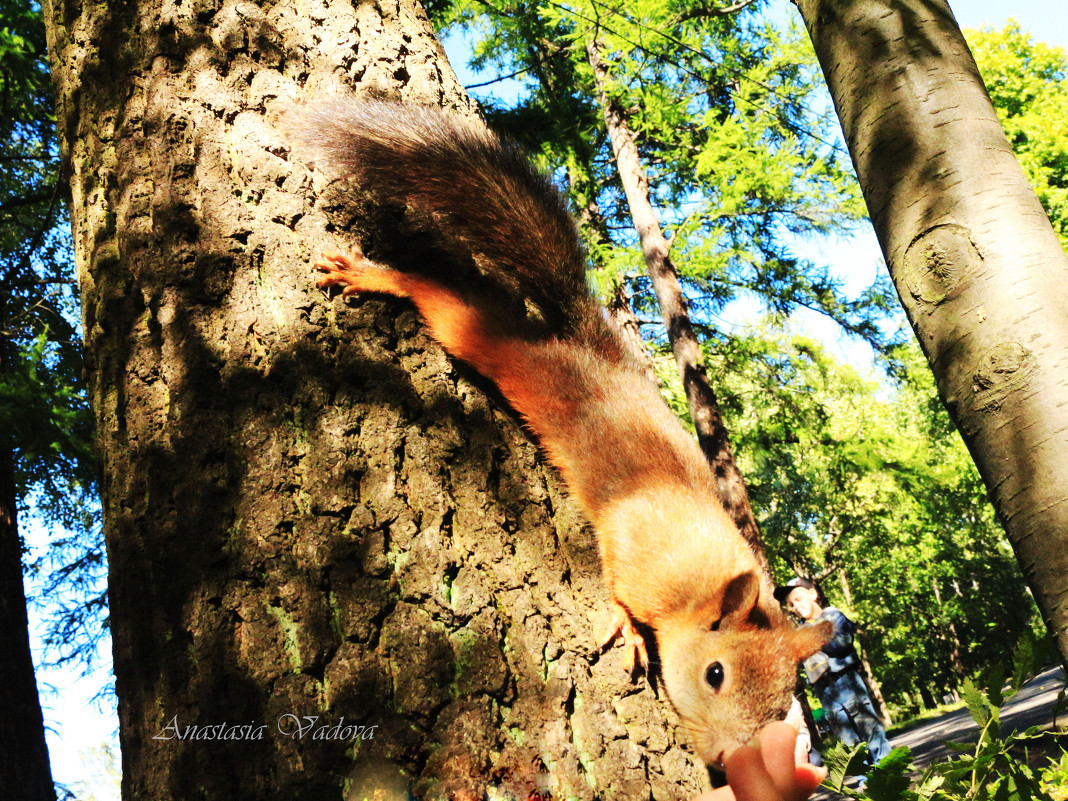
[781, 592]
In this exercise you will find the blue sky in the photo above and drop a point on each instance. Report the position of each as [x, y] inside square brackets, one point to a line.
[1046, 20]
[76, 725]
[857, 259]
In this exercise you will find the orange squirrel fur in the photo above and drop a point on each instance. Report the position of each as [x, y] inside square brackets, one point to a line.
[671, 555]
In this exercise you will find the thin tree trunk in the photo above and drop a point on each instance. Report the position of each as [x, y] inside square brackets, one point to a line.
[951, 638]
[627, 323]
[874, 688]
[620, 310]
[25, 772]
[810, 720]
[979, 270]
[711, 432]
[312, 517]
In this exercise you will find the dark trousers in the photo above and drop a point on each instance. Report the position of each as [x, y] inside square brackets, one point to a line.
[850, 712]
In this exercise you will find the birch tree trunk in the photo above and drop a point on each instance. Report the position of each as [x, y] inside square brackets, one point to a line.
[981, 275]
[329, 550]
[704, 409]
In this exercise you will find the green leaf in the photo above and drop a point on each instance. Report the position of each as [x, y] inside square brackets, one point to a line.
[842, 761]
[993, 682]
[929, 786]
[1025, 664]
[890, 779]
[977, 702]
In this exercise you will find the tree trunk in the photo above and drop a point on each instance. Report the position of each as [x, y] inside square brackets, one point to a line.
[875, 690]
[810, 720]
[622, 315]
[704, 409]
[950, 637]
[318, 528]
[25, 772]
[979, 270]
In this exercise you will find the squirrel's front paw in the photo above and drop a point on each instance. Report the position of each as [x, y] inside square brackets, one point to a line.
[633, 643]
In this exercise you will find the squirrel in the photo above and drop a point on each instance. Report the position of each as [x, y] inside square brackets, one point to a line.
[671, 556]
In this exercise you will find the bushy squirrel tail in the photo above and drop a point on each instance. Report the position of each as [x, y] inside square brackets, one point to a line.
[480, 197]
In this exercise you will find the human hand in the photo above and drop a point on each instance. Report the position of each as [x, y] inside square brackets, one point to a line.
[765, 770]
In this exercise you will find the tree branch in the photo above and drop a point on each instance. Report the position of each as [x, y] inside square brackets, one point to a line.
[704, 13]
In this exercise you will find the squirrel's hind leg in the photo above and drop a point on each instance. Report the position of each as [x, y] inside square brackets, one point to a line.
[357, 273]
[471, 331]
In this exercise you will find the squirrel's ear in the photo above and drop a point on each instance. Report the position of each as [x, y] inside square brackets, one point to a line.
[739, 598]
[806, 640]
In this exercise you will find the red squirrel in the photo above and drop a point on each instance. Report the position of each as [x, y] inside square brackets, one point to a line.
[672, 557]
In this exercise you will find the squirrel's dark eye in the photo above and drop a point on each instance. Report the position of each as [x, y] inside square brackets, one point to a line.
[714, 675]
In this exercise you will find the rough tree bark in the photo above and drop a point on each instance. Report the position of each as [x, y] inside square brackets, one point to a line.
[981, 275]
[25, 771]
[701, 398]
[309, 511]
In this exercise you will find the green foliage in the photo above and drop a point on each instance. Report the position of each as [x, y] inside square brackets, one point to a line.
[989, 770]
[722, 109]
[887, 781]
[1055, 778]
[843, 762]
[868, 483]
[890, 779]
[45, 423]
[1028, 84]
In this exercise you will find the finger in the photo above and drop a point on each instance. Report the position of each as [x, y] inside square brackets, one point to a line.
[719, 794]
[777, 746]
[808, 777]
[747, 775]
[749, 768]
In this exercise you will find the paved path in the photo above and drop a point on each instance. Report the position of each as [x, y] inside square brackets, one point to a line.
[1032, 706]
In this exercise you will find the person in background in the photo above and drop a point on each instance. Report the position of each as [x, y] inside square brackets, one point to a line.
[834, 672]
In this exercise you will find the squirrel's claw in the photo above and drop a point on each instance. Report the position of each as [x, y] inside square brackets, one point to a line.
[340, 267]
[345, 269]
[357, 273]
[622, 626]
